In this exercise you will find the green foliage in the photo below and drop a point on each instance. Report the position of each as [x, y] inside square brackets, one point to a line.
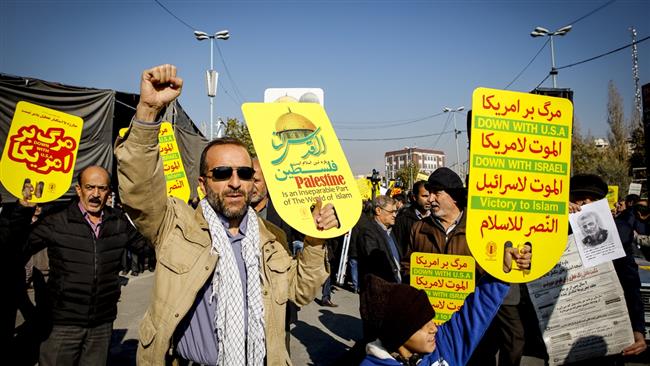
[637, 140]
[584, 154]
[238, 130]
[408, 174]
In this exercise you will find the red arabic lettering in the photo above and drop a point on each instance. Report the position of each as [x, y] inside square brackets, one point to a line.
[42, 151]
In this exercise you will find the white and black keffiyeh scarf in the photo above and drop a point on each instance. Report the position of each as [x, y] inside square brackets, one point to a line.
[237, 346]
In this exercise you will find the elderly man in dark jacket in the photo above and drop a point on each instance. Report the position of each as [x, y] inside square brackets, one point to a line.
[377, 247]
[85, 242]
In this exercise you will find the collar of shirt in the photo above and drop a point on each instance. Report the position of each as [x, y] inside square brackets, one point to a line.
[453, 224]
[86, 215]
[420, 215]
[387, 230]
[243, 225]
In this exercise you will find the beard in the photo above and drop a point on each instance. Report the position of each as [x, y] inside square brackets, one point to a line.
[233, 211]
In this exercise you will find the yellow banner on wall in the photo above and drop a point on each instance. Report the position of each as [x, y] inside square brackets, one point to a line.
[41, 147]
[518, 188]
[302, 159]
[447, 280]
[175, 176]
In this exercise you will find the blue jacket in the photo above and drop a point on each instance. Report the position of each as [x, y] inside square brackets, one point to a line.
[457, 338]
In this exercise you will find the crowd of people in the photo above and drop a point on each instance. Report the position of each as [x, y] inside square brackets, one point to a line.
[231, 274]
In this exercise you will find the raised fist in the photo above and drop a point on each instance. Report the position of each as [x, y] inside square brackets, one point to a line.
[159, 86]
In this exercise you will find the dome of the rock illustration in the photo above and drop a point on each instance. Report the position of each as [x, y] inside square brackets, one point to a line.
[294, 125]
[309, 97]
[286, 99]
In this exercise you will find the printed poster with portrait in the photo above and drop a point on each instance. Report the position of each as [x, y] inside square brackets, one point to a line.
[518, 189]
[41, 149]
[302, 159]
[595, 234]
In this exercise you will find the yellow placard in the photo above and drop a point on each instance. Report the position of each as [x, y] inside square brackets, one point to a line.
[175, 177]
[421, 176]
[612, 196]
[302, 159]
[41, 147]
[447, 280]
[518, 189]
[365, 188]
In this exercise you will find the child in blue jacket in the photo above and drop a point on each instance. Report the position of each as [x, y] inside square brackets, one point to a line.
[407, 335]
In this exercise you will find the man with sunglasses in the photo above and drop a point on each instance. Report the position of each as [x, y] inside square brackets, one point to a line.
[223, 280]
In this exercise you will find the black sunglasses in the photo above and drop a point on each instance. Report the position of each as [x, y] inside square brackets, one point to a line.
[225, 172]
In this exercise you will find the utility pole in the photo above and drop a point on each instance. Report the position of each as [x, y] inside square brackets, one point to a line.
[635, 76]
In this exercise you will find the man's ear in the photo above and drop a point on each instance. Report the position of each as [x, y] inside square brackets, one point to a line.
[77, 189]
[202, 183]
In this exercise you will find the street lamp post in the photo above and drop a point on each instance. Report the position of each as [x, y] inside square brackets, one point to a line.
[211, 75]
[541, 32]
[456, 133]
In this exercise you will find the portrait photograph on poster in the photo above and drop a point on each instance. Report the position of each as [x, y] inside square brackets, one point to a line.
[595, 234]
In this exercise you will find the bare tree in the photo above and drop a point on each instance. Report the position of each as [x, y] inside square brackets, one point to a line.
[616, 170]
[612, 163]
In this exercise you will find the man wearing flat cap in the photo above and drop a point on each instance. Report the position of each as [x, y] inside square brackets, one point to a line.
[588, 188]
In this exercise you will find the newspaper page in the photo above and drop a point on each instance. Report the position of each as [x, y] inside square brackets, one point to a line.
[581, 311]
[595, 234]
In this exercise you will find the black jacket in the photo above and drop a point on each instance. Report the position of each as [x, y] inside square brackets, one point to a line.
[402, 229]
[84, 284]
[374, 254]
[628, 273]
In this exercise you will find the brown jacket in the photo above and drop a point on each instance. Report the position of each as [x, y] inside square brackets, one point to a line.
[182, 241]
[429, 237]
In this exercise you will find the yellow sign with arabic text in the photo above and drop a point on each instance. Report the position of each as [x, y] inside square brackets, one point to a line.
[41, 149]
[302, 159]
[518, 189]
[447, 280]
[365, 188]
[612, 196]
[421, 176]
[175, 176]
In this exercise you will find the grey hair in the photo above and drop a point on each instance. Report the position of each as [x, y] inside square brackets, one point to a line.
[382, 202]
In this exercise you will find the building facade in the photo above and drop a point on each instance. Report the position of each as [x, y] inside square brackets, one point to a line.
[428, 160]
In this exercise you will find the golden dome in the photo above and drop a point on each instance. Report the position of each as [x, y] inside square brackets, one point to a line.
[286, 99]
[293, 122]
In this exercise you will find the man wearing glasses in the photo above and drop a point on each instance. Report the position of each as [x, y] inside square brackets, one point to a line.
[223, 281]
[378, 252]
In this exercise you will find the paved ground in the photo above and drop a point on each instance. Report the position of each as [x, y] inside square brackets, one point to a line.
[322, 335]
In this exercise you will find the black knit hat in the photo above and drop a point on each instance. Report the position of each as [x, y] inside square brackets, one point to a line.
[444, 179]
[589, 185]
[396, 310]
